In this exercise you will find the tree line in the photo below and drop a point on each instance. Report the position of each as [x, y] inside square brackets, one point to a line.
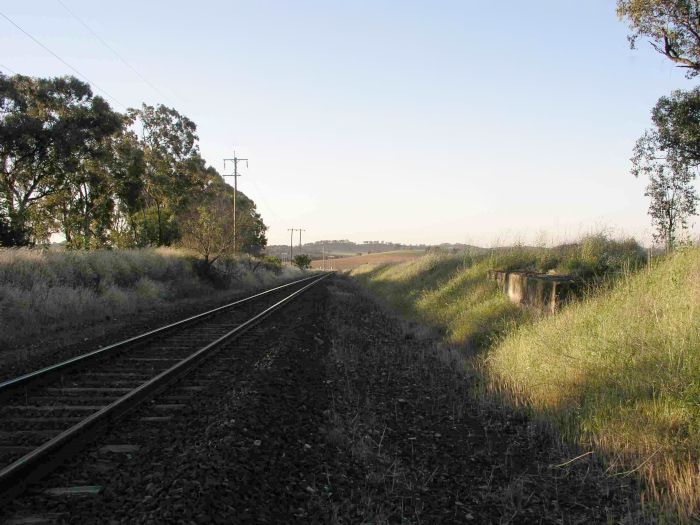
[668, 154]
[73, 165]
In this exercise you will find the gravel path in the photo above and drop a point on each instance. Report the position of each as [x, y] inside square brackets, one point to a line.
[331, 412]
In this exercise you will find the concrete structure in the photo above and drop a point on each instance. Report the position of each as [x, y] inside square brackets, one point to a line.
[542, 292]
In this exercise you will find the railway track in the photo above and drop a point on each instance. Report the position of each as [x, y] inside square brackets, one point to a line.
[47, 416]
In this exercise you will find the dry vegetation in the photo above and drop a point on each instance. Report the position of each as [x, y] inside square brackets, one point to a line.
[350, 263]
[48, 290]
[620, 373]
[616, 373]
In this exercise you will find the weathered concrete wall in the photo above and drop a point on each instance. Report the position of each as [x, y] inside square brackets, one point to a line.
[542, 292]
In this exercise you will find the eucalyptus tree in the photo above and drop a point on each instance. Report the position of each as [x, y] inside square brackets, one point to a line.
[172, 167]
[47, 128]
[672, 27]
[250, 228]
[99, 204]
[208, 224]
[669, 156]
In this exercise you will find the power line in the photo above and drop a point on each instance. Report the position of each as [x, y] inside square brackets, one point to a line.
[120, 57]
[8, 69]
[61, 60]
[265, 201]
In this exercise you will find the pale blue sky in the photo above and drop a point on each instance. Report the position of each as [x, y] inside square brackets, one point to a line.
[440, 121]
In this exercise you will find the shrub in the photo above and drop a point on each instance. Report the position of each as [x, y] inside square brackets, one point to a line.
[302, 261]
[272, 263]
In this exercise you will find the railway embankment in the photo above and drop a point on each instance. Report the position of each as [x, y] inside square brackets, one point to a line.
[614, 372]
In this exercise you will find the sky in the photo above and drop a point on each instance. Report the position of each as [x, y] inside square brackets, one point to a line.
[406, 121]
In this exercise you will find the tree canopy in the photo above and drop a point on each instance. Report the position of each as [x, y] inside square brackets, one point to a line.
[48, 128]
[673, 27]
[677, 121]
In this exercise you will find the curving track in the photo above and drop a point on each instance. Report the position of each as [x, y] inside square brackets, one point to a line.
[47, 415]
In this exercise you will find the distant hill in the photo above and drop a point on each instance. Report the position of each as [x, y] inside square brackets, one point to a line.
[346, 248]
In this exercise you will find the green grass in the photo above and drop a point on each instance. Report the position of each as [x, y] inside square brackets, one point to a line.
[617, 373]
[452, 292]
[447, 291]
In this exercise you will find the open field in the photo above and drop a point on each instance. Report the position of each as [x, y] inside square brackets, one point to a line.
[615, 374]
[350, 263]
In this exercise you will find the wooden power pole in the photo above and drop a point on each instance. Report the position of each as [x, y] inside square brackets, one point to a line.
[235, 176]
[291, 244]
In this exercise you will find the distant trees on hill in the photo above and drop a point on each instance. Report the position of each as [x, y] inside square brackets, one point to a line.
[72, 165]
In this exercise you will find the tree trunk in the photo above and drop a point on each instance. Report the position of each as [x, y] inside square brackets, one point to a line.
[160, 225]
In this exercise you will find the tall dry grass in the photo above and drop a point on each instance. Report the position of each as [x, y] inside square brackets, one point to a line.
[620, 373]
[47, 290]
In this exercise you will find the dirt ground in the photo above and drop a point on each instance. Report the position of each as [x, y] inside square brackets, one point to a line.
[350, 263]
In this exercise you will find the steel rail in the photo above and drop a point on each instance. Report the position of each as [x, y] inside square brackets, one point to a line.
[31, 467]
[62, 366]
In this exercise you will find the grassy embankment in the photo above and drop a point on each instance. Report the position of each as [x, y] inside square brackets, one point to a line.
[617, 373]
[48, 290]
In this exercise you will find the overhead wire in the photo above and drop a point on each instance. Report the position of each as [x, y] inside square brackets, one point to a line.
[64, 62]
[8, 69]
[114, 51]
[264, 200]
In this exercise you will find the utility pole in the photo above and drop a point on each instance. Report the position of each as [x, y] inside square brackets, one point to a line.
[300, 230]
[291, 244]
[235, 176]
